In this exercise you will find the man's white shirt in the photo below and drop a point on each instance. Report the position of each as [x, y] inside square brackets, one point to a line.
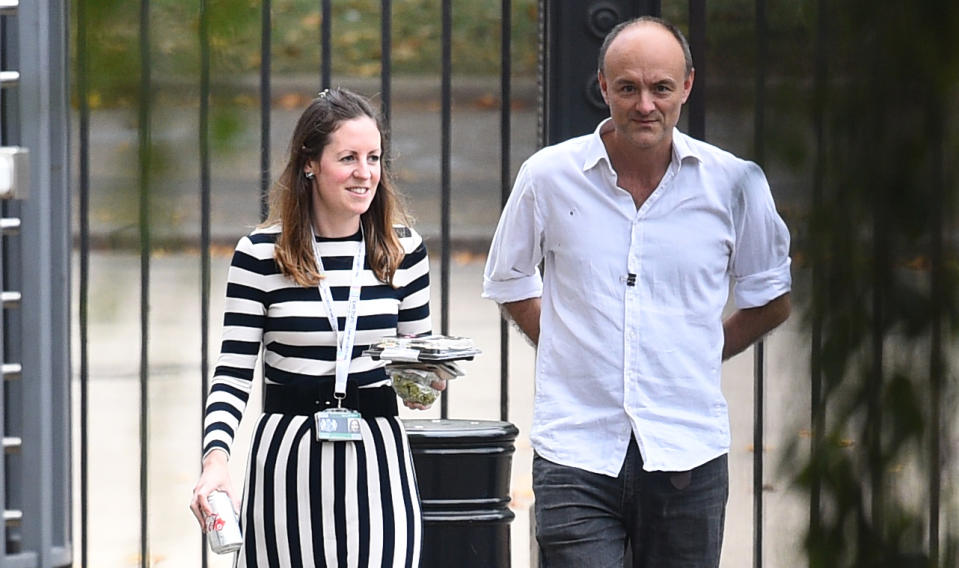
[631, 331]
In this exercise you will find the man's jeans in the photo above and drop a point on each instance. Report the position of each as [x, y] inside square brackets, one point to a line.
[671, 520]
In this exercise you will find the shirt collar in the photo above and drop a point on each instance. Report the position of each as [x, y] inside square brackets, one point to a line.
[596, 150]
[683, 148]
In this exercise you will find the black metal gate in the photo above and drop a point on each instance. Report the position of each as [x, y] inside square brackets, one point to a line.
[564, 105]
[141, 96]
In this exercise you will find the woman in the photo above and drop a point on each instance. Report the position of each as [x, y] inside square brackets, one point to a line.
[330, 243]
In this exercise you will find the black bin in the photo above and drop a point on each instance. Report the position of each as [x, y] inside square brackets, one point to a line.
[463, 471]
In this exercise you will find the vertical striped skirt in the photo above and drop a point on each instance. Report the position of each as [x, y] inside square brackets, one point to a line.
[329, 504]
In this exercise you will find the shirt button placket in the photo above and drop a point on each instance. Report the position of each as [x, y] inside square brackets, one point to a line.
[633, 298]
[630, 309]
[632, 291]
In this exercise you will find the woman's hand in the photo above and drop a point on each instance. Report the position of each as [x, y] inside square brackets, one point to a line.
[215, 477]
[437, 384]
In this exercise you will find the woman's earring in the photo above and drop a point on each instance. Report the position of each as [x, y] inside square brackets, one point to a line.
[309, 175]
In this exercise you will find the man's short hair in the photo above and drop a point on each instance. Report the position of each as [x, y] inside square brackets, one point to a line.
[687, 55]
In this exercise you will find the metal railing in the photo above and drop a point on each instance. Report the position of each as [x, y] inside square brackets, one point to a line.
[696, 113]
[695, 116]
[265, 97]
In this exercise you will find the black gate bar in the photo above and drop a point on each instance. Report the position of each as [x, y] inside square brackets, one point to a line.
[83, 103]
[817, 403]
[697, 46]
[940, 428]
[325, 35]
[386, 67]
[445, 136]
[505, 131]
[144, 154]
[205, 213]
[265, 58]
[759, 350]
[936, 365]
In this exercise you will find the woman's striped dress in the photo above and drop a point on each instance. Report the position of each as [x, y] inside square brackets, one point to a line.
[309, 503]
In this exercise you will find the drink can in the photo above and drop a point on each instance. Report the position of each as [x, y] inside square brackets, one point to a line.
[222, 525]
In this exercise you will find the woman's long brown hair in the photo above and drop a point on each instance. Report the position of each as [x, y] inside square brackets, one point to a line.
[291, 198]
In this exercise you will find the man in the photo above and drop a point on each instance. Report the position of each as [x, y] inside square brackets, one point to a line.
[641, 230]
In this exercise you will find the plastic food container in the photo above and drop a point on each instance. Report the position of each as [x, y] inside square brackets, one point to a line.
[413, 385]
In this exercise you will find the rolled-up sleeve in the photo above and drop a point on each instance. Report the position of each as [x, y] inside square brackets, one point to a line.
[760, 263]
[512, 267]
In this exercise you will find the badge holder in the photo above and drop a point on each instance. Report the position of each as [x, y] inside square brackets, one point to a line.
[341, 424]
[338, 424]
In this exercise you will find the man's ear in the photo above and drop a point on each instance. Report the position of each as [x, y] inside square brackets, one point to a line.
[688, 84]
[602, 86]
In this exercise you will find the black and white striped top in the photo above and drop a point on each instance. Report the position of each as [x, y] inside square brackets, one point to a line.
[264, 309]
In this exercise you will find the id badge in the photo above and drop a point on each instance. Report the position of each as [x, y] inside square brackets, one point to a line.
[337, 425]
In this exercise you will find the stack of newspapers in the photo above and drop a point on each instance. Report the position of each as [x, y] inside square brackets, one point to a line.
[413, 363]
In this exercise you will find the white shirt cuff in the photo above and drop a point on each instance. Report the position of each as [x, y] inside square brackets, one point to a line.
[513, 290]
[759, 289]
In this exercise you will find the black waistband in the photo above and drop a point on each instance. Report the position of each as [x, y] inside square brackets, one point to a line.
[304, 400]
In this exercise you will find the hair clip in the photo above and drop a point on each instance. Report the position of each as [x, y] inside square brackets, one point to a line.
[322, 94]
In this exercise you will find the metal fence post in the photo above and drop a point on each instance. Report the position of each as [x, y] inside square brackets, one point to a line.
[34, 116]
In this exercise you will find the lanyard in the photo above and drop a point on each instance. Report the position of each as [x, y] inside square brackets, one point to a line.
[344, 341]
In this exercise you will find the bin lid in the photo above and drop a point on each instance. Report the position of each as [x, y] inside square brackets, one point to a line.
[449, 428]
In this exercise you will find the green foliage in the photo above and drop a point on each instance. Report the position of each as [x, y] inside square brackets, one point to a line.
[883, 290]
[235, 26]
[112, 54]
[226, 124]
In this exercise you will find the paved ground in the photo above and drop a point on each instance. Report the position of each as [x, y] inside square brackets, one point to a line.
[174, 414]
